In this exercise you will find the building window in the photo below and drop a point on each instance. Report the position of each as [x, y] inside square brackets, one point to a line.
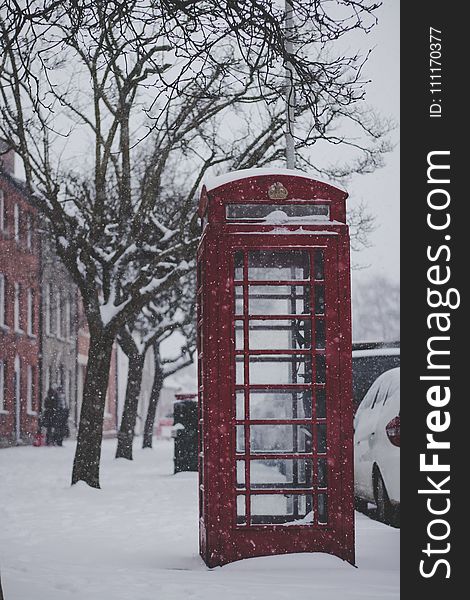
[67, 319]
[17, 392]
[3, 298]
[3, 216]
[30, 391]
[2, 386]
[17, 222]
[48, 308]
[29, 232]
[31, 315]
[66, 386]
[69, 388]
[58, 314]
[17, 308]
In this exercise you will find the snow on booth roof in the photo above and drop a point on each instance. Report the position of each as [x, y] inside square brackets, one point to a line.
[212, 182]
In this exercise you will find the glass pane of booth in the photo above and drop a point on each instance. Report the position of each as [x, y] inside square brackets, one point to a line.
[322, 509]
[280, 369]
[241, 510]
[239, 370]
[281, 473]
[278, 299]
[277, 334]
[320, 368]
[320, 334]
[280, 439]
[321, 438]
[319, 299]
[259, 212]
[322, 475]
[320, 399]
[281, 509]
[238, 300]
[280, 404]
[240, 405]
[278, 265]
[240, 438]
[318, 264]
[238, 265]
[239, 339]
[240, 473]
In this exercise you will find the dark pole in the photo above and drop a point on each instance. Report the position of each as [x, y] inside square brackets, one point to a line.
[290, 92]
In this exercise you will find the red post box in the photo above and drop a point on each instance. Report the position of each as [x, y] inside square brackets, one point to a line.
[274, 368]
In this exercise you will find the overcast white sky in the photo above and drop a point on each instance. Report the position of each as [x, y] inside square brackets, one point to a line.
[380, 190]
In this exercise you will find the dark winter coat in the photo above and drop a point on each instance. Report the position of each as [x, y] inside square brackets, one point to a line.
[61, 416]
[50, 409]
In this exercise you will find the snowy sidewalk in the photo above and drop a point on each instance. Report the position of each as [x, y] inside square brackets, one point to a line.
[137, 539]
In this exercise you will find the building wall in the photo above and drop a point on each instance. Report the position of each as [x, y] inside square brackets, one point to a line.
[44, 336]
[19, 315]
[59, 326]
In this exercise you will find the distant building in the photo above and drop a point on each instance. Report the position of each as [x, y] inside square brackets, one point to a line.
[19, 309]
[59, 325]
[44, 336]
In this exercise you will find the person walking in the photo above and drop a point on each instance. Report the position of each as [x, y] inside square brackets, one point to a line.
[49, 415]
[61, 417]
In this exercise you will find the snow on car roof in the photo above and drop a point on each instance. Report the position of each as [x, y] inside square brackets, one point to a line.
[389, 380]
[212, 182]
[376, 352]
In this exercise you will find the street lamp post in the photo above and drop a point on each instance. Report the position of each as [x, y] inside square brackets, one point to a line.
[290, 92]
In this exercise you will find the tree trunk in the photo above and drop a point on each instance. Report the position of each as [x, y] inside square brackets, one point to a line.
[129, 414]
[154, 398]
[86, 464]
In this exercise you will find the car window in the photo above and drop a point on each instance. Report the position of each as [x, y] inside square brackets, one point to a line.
[374, 403]
[366, 369]
[369, 397]
[392, 388]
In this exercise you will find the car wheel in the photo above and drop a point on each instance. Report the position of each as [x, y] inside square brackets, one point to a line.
[384, 508]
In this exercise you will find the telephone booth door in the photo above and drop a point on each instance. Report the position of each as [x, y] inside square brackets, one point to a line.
[276, 422]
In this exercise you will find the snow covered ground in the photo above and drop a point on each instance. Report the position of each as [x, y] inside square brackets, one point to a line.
[136, 539]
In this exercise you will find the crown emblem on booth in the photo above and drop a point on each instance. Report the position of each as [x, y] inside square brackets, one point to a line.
[277, 191]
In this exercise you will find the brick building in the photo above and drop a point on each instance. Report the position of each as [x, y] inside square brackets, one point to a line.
[19, 309]
[44, 336]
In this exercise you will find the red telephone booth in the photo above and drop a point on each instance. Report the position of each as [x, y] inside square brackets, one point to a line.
[274, 366]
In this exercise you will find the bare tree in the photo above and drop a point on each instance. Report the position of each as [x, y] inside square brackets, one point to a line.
[376, 309]
[164, 368]
[105, 76]
[154, 324]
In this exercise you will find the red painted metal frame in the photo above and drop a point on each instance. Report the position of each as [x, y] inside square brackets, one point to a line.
[221, 539]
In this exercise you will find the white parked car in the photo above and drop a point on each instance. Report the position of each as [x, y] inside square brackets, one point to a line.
[377, 446]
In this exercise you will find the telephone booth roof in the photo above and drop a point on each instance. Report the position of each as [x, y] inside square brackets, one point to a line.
[272, 187]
